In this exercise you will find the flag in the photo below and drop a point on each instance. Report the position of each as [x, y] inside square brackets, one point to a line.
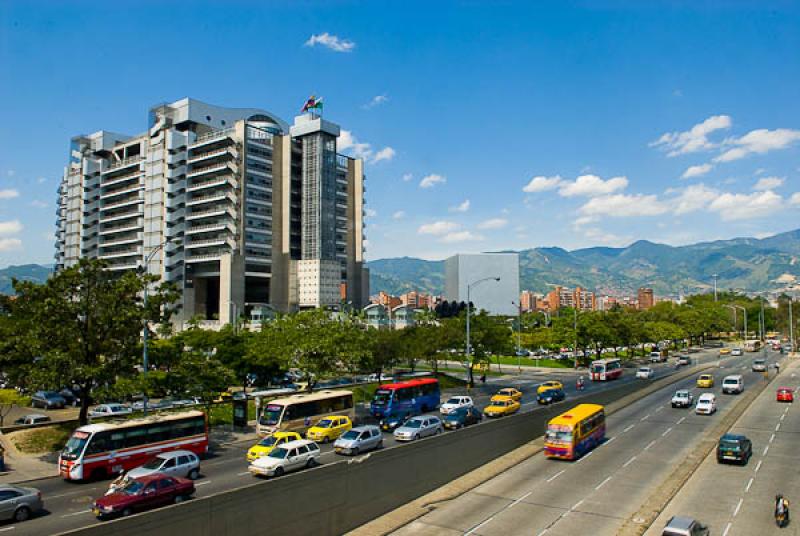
[312, 103]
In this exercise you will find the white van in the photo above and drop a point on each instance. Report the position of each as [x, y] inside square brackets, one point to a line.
[706, 404]
[733, 384]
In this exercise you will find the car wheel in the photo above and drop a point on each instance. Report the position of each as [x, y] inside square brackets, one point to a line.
[279, 471]
[179, 499]
[312, 462]
[325, 439]
[194, 474]
[127, 512]
[355, 451]
[22, 514]
[416, 436]
[438, 431]
[380, 444]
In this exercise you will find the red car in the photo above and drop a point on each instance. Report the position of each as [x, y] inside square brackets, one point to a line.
[785, 394]
[144, 493]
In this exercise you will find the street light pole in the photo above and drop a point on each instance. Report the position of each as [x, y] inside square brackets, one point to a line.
[745, 321]
[735, 320]
[715, 286]
[519, 335]
[575, 328]
[791, 323]
[469, 290]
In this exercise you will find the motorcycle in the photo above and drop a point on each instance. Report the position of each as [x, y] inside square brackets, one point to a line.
[781, 511]
[579, 385]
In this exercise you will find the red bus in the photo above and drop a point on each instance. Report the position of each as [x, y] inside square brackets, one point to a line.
[411, 397]
[606, 369]
[109, 448]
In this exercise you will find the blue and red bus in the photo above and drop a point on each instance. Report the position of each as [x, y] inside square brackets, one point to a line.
[404, 399]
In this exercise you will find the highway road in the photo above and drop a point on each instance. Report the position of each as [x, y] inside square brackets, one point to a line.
[68, 503]
[595, 494]
[737, 500]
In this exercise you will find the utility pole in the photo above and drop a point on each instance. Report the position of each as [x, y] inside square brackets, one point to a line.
[469, 290]
[715, 286]
[575, 328]
[791, 323]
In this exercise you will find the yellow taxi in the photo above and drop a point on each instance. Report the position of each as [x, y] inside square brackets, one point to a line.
[551, 384]
[329, 429]
[265, 446]
[224, 396]
[724, 351]
[500, 406]
[508, 392]
[705, 380]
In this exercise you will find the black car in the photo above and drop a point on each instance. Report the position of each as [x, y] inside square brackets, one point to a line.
[734, 448]
[462, 417]
[550, 395]
[70, 396]
[47, 400]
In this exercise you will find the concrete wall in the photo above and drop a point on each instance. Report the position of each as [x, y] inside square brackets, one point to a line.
[338, 497]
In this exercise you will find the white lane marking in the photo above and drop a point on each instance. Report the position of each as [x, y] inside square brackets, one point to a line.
[603, 483]
[777, 427]
[543, 532]
[645, 417]
[681, 420]
[558, 474]
[772, 438]
[758, 466]
[585, 456]
[7, 528]
[783, 417]
[766, 449]
[576, 505]
[203, 483]
[626, 464]
[242, 474]
[786, 410]
[653, 442]
[70, 493]
[473, 529]
[628, 428]
[77, 513]
[749, 483]
[668, 430]
[609, 440]
[659, 408]
[521, 499]
[727, 528]
[738, 505]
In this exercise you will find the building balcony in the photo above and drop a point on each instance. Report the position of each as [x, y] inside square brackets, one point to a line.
[136, 212]
[126, 227]
[219, 167]
[212, 137]
[215, 153]
[133, 200]
[210, 198]
[220, 180]
[221, 225]
[124, 265]
[218, 210]
[113, 181]
[211, 242]
[204, 256]
[108, 242]
[123, 164]
[120, 191]
[118, 254]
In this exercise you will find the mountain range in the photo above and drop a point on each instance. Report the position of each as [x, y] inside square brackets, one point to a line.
[747, 264]
[750, 264]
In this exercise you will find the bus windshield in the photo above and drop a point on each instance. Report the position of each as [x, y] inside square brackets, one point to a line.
[271, 415]
[598, 368]
[382, 396]
[75, 445]
[556, 436]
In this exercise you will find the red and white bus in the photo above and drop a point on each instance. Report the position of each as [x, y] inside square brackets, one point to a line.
[606, 369]
[109, 448]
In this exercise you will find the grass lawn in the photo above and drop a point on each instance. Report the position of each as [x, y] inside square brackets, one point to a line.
[41, 440]
[531, 362]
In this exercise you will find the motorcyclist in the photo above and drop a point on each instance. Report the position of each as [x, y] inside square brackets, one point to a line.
[781, 511]
[579, 383]
[118, 483]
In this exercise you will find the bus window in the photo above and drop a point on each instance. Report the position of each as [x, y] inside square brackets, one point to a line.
[404, 394]
[136, 436]
[271, 414]
[99, 443]
[159, 432]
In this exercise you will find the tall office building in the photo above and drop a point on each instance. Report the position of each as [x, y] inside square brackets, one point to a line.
[495, 297]
[232, 204]
[645, 298]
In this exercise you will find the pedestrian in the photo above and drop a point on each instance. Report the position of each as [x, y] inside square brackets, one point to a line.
[483, 378]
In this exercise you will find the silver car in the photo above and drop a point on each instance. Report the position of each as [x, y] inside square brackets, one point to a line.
[18, 504]
[183, 463]
[359, 439]
[418, 427]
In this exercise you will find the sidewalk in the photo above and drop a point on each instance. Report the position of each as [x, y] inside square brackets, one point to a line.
[21, 467]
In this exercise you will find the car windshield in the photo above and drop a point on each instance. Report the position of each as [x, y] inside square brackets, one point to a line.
[460, 412]
[75, 445]
[681, 394]
[454, 401]
[153, 463]
[382, 396]
[729, 444]
[324, 423]
[279, 453]
[759, 362]
[271, 415]
[731, 381]
[268, 441]
[351, 434]
[413, 423]
[133, 488]
[644, 369]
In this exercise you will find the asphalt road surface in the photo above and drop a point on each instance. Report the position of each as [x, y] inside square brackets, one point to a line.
[735, 500]
[595, 494]
[68, 503]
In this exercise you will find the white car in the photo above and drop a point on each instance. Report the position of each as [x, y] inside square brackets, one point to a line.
[290, 456]
[109, 410]
[455, 402]
[418, 427]
[644, 373]
[656, 357]
[736, 352]
[706, 404]
[182, 463]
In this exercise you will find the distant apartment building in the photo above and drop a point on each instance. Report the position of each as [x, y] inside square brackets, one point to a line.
[387, 300]
[606, 303]
[528, 301]
[576, 298]
[471, 277]
[645, 298]
[417, 300]
[238, 208]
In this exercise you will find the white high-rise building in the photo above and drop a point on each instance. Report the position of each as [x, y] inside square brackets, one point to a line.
[243, 205]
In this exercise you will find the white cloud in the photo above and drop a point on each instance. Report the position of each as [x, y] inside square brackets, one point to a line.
[9, 193]
[429, 181]
[387, 153]
[399, 215]
[407, 177]
[460, 236]
[38, 204]
[693, 140]
[758, 141]
[795, 199]
[11, 172]
[49, 236]
[377, 100]
[624, 205]
[583, 220]
[10, 227]
[693, 198]
[696, 171]
[591, 186]
[370, 213]
[461, 207]
[733, 207]
[542, 184]
[41, 180]
[438, 228]
[769, 183]
[332, 42]
[493, 223]
[10, 244]
[598, 235]
[759, 171]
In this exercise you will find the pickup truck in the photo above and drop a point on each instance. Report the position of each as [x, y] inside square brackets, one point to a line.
[657, 357]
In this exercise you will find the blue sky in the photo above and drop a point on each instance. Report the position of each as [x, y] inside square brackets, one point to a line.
[485, 126]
